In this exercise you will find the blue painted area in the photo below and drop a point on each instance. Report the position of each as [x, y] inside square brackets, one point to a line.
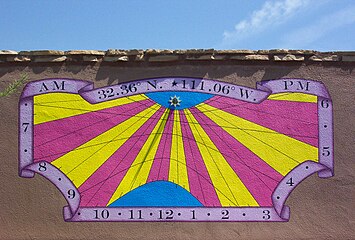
[188, 99]
[157, 194]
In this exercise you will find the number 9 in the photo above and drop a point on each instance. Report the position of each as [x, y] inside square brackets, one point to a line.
[71, 194]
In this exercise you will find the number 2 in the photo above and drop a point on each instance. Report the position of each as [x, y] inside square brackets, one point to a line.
[225, 214]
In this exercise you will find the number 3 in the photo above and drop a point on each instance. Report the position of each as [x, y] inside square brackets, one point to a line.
[267, 214]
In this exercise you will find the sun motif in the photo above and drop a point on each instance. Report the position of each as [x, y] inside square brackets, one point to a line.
[175, 101]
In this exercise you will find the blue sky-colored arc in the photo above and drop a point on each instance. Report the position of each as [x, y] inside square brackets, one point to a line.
[187, 99]
[157, 194]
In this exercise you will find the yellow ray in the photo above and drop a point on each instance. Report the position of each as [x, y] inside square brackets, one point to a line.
[177, 170]
[295, 97]
[54, 106]
[231, 190]
[82, 162]
[281, 152]
[138, 173]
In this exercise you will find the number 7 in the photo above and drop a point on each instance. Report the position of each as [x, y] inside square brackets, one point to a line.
[26, 126]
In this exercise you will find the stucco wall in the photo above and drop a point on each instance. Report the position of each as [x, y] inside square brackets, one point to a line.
[320, 208]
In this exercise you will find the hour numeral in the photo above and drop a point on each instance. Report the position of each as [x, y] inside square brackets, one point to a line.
[193, 214]
[132, 215]
[290, 182]
[71, 194]
[25, 125]
[104, 214]
[325, 151]
[169, 214]
[225, 214]
[266, 214]
[324, 103]
[42, 166]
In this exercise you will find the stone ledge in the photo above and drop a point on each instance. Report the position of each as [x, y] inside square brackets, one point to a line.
[44, 59]
[42, 53]
[166, 55]
[289, 57]
[8, 52]
[85, 52]
[319, 57]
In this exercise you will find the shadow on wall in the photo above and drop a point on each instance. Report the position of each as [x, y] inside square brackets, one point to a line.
[228, 70]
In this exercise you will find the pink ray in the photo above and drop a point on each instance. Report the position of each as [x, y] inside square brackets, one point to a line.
[56, 138]
[199, 180]
[111, 173]
[298, 120]
[160, 167]
[257, 176]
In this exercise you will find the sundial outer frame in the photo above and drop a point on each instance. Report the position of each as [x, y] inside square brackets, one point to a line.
[278, 212]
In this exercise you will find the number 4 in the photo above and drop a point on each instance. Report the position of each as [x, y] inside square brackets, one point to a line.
[290, 182]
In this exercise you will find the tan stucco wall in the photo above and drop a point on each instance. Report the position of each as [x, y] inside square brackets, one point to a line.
[320, 208]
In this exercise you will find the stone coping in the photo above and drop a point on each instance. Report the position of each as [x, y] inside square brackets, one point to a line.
[156, 55]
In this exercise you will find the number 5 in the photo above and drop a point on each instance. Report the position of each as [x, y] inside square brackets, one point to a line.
[326, 152]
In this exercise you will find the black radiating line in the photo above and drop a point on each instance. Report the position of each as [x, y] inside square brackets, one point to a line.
[240, 159]
[129, 151]
[106, 144]
[187, 128]
[217, 167]
[258, 139]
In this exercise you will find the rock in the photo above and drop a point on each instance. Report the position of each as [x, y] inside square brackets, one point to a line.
[232, 52]
[116, 58]
[50, 59]
[278, 51]
[200, 57]
[325, 58]
[157, 52]
[42, 53]
[18, 59]
[302, 52]
[85, 52]
[113, 52]
[8, 52]
[133, 52]
[200, 51]
[288, 57]
[257, 57]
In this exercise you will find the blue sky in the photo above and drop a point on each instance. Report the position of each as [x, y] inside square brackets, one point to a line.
[322, 25]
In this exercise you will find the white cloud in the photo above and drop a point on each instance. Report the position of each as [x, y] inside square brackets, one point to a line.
[303, 37]
[270, 14]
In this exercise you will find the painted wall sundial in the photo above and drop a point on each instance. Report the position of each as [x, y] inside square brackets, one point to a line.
[175, 149]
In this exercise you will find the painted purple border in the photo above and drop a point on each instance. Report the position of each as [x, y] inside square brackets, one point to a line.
[177, 214]
[278, 213]
[325, 114]
[61, 181]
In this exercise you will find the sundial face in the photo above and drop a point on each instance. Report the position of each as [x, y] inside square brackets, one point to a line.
[175, 149]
